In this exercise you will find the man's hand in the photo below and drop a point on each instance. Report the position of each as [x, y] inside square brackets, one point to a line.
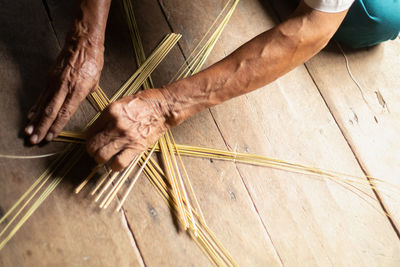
[128, 127]
[75, 75]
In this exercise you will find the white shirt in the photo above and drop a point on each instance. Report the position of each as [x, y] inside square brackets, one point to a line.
[331, 6]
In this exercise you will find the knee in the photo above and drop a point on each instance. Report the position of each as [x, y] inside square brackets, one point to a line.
[370, 22]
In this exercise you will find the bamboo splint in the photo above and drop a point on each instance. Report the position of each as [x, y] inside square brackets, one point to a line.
[128, 88]
[58, 169]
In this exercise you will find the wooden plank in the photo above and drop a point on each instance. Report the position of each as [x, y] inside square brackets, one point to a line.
[149, 217]
[226, 204]
[310, 222]
[368, 116]
[60, 232]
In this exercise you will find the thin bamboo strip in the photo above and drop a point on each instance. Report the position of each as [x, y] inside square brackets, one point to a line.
[140, 57]
[124, 177]
[44, 175]
[260, 160]
[101, 182]
[107, 185]
[135, 179]
[168, 159]
[187, 178]
[212, 251]
[187, 66]
[161, 187]
[65, 169]
[87, 179]
[51, 187]
[40, 183]
[158, 182]
[179, 179]
[170, 174]
[5, 156]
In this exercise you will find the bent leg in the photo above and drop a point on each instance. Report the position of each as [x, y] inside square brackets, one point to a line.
[370, 22]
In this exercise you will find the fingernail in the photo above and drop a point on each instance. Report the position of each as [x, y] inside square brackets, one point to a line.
[49, 137]
[34, 139]
[29, 129]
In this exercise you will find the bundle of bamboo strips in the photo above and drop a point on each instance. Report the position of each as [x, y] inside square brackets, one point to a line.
[100, 101]
[20, 212]
[174, 173]
[167, 145]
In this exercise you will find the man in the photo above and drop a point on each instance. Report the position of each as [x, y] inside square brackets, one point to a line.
[133, 123]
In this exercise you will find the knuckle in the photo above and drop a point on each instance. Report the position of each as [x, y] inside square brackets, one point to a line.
[101, 158]
[64, 113]
[113, 109]
[90, 148]
[81, 93]
[118, 164]
[119, 124]
[49, 112]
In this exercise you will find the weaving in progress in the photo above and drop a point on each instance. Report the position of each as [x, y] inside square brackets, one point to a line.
[164, 163]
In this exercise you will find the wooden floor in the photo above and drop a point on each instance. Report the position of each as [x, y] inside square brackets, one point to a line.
[316, 115]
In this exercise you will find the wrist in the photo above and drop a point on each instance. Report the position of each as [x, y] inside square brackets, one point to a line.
[173, 114]
[180, 101]
[90, 23]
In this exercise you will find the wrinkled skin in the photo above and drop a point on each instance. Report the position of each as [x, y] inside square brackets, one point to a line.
[127, 127]
[130, 125]
[75, 75]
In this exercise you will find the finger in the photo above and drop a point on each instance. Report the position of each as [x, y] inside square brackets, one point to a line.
[105, 153]
[39, 102]
[122, 160]
[43, 122]
[34, 111]
[68, 108]
[100, 140]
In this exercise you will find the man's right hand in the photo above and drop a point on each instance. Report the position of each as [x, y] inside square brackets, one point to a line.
[75, 74]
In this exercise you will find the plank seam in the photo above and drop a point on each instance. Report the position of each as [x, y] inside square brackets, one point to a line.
[249, 195]
[360, 164]
[132, 235]
[392, 223]
[47, 9]
[162, 8]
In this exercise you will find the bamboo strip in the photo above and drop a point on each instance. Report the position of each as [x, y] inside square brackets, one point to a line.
[135, 179]
[124, 177]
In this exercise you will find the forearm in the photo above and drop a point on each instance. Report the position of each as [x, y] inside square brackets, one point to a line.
[256, 63]
[91, 21]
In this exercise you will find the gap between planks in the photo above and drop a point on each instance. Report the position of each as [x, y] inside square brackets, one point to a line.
[253, 204]
[48, 13]
[278, 17]
[131, 235]
[359, 163]
[124, 219]
[258, 216]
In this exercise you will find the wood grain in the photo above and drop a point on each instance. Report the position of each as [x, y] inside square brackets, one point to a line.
[61, 232]
[310, 222]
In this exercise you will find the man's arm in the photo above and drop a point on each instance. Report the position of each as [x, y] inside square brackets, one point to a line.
[75, 74]
[133, 123]
[256, 63]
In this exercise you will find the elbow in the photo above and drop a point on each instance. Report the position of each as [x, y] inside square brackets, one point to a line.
[311, 38]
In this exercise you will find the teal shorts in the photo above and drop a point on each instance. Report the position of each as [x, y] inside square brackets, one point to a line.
[370, 22]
